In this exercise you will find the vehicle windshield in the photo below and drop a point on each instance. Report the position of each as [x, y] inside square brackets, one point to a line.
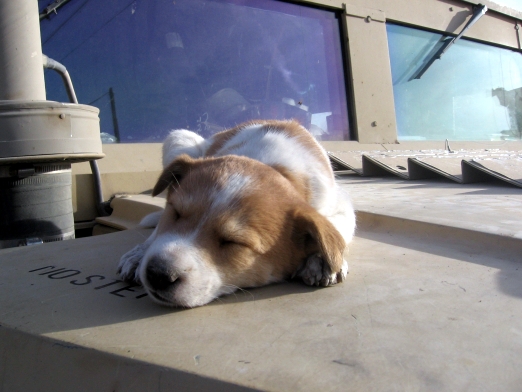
[201, 65]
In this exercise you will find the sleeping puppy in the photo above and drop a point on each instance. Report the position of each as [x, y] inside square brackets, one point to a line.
[249, 206]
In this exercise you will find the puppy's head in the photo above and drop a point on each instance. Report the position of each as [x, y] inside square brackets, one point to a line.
[230, 222]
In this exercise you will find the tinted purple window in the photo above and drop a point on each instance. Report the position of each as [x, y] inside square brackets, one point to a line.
[153, 66]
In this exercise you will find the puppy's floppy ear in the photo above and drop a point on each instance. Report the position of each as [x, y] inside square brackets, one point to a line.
[316, 235]
[173, 173]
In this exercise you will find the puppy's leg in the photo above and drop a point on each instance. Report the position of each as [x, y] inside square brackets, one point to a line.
[315, 271]
[129, 264]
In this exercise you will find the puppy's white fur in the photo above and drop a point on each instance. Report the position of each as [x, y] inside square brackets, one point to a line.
[244, 210]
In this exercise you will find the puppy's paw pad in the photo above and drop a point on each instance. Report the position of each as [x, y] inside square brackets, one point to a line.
[316, 272]
[129, 263]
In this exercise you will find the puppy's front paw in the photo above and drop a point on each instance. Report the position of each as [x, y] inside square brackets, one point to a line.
[129, 263]
[316, 272]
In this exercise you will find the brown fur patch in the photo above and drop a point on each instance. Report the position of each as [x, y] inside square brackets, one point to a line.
[300, 183]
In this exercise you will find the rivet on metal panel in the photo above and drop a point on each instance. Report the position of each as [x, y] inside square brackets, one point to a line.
[451, 9]
[368, 19]
[374, 123]
[62, 116]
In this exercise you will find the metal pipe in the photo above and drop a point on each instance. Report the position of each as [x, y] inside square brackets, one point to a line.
[49, 63]
[60, 68]
[98, 193]
[21, 73]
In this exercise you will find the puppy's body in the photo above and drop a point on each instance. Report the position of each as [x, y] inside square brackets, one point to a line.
[249, 206]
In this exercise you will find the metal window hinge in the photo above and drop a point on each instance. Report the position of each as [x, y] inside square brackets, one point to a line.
[478, 11]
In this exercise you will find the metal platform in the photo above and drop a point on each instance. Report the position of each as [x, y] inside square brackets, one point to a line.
[433, 301]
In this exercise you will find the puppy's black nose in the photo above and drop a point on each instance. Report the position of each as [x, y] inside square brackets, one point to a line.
[159, 277]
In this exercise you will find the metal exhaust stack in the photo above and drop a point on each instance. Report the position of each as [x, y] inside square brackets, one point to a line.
[39, 139]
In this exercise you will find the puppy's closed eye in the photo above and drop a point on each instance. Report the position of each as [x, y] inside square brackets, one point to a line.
[223, 242]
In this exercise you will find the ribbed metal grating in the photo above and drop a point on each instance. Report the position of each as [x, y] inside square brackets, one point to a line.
[463, 166]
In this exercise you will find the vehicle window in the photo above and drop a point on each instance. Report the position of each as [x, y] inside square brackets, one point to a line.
[203, 65]
[514, 4]
[474, 92]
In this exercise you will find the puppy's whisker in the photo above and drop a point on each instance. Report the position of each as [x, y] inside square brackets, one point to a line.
[240, 289]
[175, 179]
[143, 235]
